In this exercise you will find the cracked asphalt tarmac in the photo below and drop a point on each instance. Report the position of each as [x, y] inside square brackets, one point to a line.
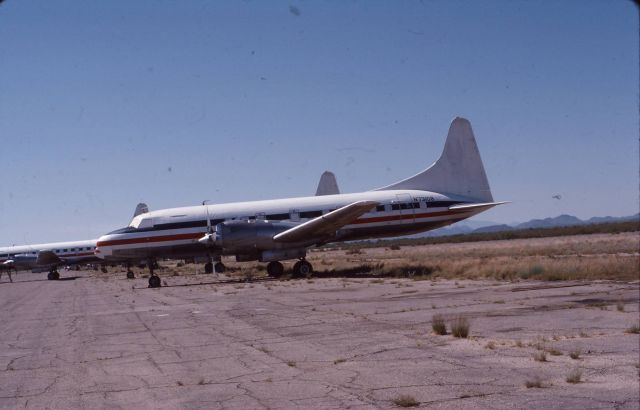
[90, 342]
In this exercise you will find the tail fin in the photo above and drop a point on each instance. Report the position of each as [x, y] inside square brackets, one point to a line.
[458, 171]
[141, 208]
[328, 184]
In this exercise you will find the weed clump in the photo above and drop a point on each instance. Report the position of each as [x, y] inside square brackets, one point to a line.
[460, 327]
[438, 325]
[536, 382]
[635, 329]
[575, 354]
[540, 356]
[575, 376]
[406, 401]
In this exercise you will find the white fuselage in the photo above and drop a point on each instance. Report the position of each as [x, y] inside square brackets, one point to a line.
[175, 232]
[26, 256]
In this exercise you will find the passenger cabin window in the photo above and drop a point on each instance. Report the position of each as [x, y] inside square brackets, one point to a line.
[380, 208]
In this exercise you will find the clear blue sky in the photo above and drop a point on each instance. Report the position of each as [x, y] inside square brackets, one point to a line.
[106, 104]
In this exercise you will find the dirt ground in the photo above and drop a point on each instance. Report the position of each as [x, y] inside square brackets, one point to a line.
[206, 341]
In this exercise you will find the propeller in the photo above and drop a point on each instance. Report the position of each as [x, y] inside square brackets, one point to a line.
[209, 238]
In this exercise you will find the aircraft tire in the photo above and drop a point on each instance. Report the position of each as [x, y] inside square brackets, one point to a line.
[130, 275]
[305, 268]
[154, 281]
[208, 267]
[50, 276]
[56, 275]
[219, 267]
[275, 269]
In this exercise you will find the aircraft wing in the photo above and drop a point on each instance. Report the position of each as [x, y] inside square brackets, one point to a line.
[326, 225]
[47, 258]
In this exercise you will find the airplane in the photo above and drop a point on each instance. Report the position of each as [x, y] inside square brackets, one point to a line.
[50, 256]
[453, 188]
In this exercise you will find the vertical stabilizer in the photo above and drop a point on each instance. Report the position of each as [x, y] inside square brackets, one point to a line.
[141, 208]
[328, 184]
[458, 171]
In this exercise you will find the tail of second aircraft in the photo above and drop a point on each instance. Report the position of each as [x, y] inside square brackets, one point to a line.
[458, 171]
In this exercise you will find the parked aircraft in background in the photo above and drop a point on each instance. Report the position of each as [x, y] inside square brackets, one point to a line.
[328, 184]
[455, 187]
[50, 256]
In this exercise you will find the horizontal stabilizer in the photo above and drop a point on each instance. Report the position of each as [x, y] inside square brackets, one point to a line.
[476, 207]
[326, 225]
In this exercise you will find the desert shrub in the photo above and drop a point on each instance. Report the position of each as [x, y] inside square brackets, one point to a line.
[540, 356]
[406, 401]
[438, 325]
[575, 376]
[460, 327]
[536, 382]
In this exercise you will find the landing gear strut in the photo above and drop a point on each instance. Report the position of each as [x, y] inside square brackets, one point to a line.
[275, 269]
[154, 280]
[302, 268]
[53, 274]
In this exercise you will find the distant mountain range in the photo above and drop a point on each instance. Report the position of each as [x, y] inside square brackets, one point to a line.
[487, 227]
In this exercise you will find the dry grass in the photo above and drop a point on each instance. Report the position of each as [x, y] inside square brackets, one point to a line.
[635, 329]
[540, 356]
[438, 325]
[620, 306]
[406, 401]
[575, 376]
[596, 256]
[460, 327]
[291, 363]
[554, 352]
[536, 382]
[575, 354]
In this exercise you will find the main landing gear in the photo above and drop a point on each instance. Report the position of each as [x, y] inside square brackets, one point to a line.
[53, 274]
[275, 269]
[218, 267]
[302, 268]
[130, 274]
[154, 280]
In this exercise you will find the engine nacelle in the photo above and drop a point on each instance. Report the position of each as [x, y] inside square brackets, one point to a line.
[248, 236]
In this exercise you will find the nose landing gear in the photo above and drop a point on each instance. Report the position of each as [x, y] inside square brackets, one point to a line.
[154, 280]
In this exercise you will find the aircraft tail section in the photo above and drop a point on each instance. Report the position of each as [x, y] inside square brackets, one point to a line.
[141, 208]
[458, 171]
[328, 184]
